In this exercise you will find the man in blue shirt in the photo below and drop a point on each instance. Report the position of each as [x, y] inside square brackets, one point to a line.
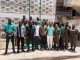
[39, 21]
[9, 29]
[50, 31]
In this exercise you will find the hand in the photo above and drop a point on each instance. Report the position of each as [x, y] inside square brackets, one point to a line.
[53, 36]
[10, 34]
[58, 38]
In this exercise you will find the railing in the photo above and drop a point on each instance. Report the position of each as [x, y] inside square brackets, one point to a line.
[64, 13]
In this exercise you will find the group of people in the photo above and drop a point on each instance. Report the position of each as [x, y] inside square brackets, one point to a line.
[45, 33]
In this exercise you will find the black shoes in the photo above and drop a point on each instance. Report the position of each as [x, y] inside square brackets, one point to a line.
[23, 51]
[5, 53]
[14, 52]
[33, 50]
[28, 50]
[17, 51]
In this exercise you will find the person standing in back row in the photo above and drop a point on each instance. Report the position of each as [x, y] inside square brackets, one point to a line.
[36, 33]
[39, 21]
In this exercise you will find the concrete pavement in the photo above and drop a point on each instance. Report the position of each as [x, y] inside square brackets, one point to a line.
[39, 55]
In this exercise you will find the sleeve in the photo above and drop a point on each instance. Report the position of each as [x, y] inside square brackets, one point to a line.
[16, 33]
[14, 27]
[59, 32]
[54, 32]
[47, 28]
[77, 32]
[34, 28]
[26, 28]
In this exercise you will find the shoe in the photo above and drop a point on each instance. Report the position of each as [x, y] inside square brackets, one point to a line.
[23, 51]
[33, 50]
[73, 50]
[70, 49]
[45, 49]
[37, 48]
[27, 50]
[14, 52]
[57, 49]
[41, 48]
[5, 53]
[17, 51]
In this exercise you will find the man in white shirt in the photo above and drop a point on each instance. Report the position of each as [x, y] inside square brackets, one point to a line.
[36, 35]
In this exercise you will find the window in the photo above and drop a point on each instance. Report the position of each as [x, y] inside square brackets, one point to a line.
[9, 0]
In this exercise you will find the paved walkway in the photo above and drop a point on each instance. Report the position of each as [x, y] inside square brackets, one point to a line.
[40, 55]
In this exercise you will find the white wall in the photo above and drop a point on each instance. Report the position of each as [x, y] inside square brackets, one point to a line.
[76, 23]
[14, 15]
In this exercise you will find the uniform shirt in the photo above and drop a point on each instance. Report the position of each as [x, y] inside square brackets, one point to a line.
[9, 28]
[39, 23]
[66, 33]
[43, 30]
[50, 30]
[37, 30]
[74, 33]
[30, 29]
[20, 31]
[61, 30]
[56, 33]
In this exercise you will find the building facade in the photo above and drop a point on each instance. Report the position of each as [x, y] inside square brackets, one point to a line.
[15, 9]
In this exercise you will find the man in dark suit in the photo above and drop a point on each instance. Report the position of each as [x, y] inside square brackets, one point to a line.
[30, 32]
[20, 36]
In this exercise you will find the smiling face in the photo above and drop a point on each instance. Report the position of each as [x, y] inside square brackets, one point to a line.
[9, 21]
[56, 26]
[23, 17]
[30, 18]
[20, 23]
[38, 19]
[50, 23]
[43, 22]
[36, 23]
[73, 26]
